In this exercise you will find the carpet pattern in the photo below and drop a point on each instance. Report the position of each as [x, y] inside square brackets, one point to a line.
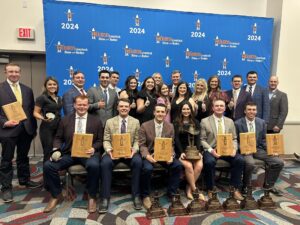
[28, 206]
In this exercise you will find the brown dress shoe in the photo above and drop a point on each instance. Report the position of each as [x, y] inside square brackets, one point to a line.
[147, 202]
[92, 205]
[52, 204]
[237, 195]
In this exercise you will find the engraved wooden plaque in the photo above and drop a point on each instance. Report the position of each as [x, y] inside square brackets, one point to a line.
[224, 144]
[163, 149]
[247, 143]
[275, 144]
[121, 144]
[14, 111]
[81, 143]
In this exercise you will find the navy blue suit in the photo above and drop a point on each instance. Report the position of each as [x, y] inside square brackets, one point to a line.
[68, 100]
[20, 136]
[238, 111]
[261, 97]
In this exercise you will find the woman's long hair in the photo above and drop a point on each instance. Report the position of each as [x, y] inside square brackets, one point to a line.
[45, 91]
[179, 118]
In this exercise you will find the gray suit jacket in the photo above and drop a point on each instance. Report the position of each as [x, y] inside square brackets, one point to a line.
[208, 134]
[95, 94]
[278, 109]
[113, 127]
[147, 136]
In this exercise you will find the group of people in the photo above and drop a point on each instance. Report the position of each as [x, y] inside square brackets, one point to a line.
[157, 110]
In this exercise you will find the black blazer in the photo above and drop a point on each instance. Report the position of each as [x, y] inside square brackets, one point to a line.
[7, 96]
[64, 134]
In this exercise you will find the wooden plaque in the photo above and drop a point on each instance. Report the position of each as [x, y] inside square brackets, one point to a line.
[247, 143]
[275, 144]
[121, 144]
[224, 144]
[81, 143]
[163, 149]
[14, 111]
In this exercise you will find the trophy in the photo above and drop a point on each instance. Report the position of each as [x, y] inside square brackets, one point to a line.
[266, 202]
[191, 151]
[231, 204]
[213, 204]
[177, 208]
[249, 202]
[155, 211]
[197, 205]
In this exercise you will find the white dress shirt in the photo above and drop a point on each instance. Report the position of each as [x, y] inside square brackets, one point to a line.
[83, 122]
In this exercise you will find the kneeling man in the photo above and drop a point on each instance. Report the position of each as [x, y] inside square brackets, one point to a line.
[79, 122]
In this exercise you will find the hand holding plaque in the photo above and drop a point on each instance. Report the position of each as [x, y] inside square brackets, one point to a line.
[163, 149]
[81, 144]
[224, 144]
[275, 145]
[121, 144]
[14, 111]
[247, 143]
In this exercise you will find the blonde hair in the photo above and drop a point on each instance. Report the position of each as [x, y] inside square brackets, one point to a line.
[200, 97]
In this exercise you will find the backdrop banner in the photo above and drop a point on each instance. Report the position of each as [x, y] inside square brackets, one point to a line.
[136, 41]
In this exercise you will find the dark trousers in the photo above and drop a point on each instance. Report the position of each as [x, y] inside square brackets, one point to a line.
[273, 167]
[236, 169]
[51, 175]
[22, 142]
[47, 134]
[107, 165]
[174, 168]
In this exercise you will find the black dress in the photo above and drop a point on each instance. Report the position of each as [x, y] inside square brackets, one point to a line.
[48, 129]
[175, 108]
[148, 113]
[181, 137]
[200, 114]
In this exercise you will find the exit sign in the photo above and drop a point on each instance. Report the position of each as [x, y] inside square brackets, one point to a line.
[25, 33]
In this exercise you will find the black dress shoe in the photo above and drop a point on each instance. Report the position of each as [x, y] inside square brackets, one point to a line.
[7, 196]
[32, 184]
[103, 206]
[137, 203]
[276, 192]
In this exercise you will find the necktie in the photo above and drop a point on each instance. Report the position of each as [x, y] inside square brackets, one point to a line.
[105, 96]
[251, 128]
[250, 90]
[82, 91]
[79, 125]
[158, 131]
[123, 126]
[235, 97]
[17, 93]
[220, 127]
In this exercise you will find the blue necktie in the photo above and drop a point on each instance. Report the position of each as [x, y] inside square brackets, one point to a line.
[123, 126]
[105, 96]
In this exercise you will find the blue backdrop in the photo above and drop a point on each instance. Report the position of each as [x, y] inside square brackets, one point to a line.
[136, 41]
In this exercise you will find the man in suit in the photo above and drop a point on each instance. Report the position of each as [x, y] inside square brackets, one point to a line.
[278, 106]
[251, 123]
[123, 123]
[238, 98]
[210, 127]
[76, 89]
[176, 78]
[157, 127]
[259, 96]
[78, 122]
[102, 99]
[15, 133]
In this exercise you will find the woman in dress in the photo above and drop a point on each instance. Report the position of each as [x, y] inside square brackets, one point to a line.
[201, 99]
[183, 93]
[146, 100]
[130, 92]
[164, 98]
[48, 110]
[183, 124]
[214, 91]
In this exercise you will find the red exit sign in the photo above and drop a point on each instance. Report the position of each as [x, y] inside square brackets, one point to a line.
[25, 33]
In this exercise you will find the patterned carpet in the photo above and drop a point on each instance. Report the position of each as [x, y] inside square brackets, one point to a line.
[28, 206]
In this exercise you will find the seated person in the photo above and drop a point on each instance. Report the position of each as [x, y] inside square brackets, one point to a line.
[79, 122]
[183, 123]
[157, 127]
[210, 127]
[251, 123]
[123, 123]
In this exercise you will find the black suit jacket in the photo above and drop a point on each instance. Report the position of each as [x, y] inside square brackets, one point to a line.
[64, 134]
[243, 98]
[7, 96]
